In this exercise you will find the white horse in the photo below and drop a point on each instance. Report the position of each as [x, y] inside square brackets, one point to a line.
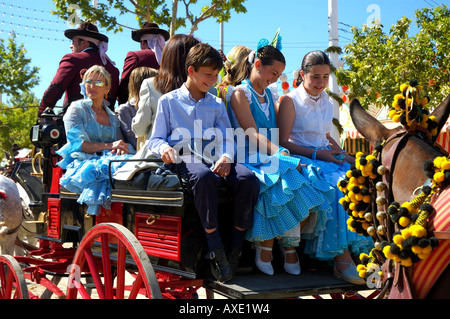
[10, 214]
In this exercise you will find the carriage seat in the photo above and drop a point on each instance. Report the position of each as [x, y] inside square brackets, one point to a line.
[151, 186]
[158, 187]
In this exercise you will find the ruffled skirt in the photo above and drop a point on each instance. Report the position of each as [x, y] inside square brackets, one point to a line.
[288, 197]
[90, 178]
[335, 238]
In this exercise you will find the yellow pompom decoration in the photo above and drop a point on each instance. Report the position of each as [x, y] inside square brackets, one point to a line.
[439, 177]
[409, 109]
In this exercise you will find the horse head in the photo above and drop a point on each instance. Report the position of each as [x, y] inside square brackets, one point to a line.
[408, 173]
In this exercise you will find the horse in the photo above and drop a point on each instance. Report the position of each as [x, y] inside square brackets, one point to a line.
[406, 175]
[10, 214]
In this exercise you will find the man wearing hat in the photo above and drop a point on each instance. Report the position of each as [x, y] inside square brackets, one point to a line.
[152, 40]
[88, 48]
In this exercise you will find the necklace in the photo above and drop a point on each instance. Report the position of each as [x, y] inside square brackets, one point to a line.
[256, 93]
[314, 97]
[265, 109]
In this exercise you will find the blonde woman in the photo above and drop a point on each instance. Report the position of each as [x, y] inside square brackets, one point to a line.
[93, 138]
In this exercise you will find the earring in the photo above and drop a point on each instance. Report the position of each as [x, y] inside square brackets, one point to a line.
[106, 95]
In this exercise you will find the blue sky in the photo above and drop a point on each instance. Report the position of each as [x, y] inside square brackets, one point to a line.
[303, 25]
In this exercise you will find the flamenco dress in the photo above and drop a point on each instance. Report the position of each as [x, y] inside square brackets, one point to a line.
[312, 121]
[287, 196]
[88, 174]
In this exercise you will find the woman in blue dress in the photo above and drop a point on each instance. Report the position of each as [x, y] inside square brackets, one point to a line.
[305, 120]
[290, 191]
[94, 138]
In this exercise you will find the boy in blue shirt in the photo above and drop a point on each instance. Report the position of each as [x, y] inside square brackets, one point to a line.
[192, 130]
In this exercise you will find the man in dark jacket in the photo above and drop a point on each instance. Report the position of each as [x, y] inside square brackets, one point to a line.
[152, 40]
[88, 48]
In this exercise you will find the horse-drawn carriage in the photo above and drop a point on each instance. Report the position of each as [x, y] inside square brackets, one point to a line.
[149, 244]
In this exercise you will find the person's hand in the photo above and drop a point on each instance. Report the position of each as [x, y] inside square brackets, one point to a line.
[169, 156]
[328, 156]
[119, 148]
[222, 167]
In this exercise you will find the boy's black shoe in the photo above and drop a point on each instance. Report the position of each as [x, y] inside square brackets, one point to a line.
[233, 259]
[220, 267]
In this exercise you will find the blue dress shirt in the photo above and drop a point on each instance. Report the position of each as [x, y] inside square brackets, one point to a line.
[200, 127]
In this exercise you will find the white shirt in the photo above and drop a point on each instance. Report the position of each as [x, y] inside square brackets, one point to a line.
[313, 120]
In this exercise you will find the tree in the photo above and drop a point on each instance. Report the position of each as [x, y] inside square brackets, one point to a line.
[16, 121]
[15, 73]
[376, 63]
[157, 11]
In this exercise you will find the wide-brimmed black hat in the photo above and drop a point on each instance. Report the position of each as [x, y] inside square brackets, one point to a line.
[149, 28]
[86, 29]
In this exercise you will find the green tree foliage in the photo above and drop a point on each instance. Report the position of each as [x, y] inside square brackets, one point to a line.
[16, 75]
[16, 120]
[376, 63]
[108, 12]
[17, 78]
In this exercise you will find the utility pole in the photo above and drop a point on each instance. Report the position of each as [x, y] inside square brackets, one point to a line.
[94, 5]
[334, 58]
[221, 36]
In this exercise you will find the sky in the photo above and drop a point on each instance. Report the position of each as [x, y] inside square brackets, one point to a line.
[303, 26]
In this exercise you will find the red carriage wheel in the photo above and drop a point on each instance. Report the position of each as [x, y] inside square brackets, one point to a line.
[107, 253]
[12, 280]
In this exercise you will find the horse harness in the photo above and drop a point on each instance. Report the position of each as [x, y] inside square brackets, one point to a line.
[395, 277]
[389, 160]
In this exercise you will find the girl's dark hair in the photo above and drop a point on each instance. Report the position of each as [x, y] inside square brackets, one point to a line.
[172, 71]
[267, 54]
[311, 59]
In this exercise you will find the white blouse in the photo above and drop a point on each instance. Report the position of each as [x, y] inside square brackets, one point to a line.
[313, 120]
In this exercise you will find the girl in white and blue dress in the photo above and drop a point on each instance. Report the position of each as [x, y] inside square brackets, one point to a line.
[290, 190]
[305, 120]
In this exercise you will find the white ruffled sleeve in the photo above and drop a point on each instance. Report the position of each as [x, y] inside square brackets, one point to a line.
[230, 91]
[247, 92]
[274, 90]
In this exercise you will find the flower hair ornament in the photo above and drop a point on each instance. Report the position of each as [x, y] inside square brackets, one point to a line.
[276, 43]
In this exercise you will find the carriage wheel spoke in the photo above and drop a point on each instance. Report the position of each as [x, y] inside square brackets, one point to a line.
[2, 281]
[106, 261]
[121, 255]
[136, 286]
[9, 284]
[94, 272]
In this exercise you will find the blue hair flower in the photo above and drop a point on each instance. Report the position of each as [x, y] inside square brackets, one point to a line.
[276, 42]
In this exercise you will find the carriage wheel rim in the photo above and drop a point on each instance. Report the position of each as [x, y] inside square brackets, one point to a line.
[13, 277]
[131, 244]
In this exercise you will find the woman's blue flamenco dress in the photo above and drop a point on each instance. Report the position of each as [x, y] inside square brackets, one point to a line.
[88, 174]
[337, 238]
[287, 196]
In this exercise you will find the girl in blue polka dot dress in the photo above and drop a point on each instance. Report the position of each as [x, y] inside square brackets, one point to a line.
[291, 191]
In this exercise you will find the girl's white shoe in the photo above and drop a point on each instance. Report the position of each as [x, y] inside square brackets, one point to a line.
[265, 267]
[293, 269]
